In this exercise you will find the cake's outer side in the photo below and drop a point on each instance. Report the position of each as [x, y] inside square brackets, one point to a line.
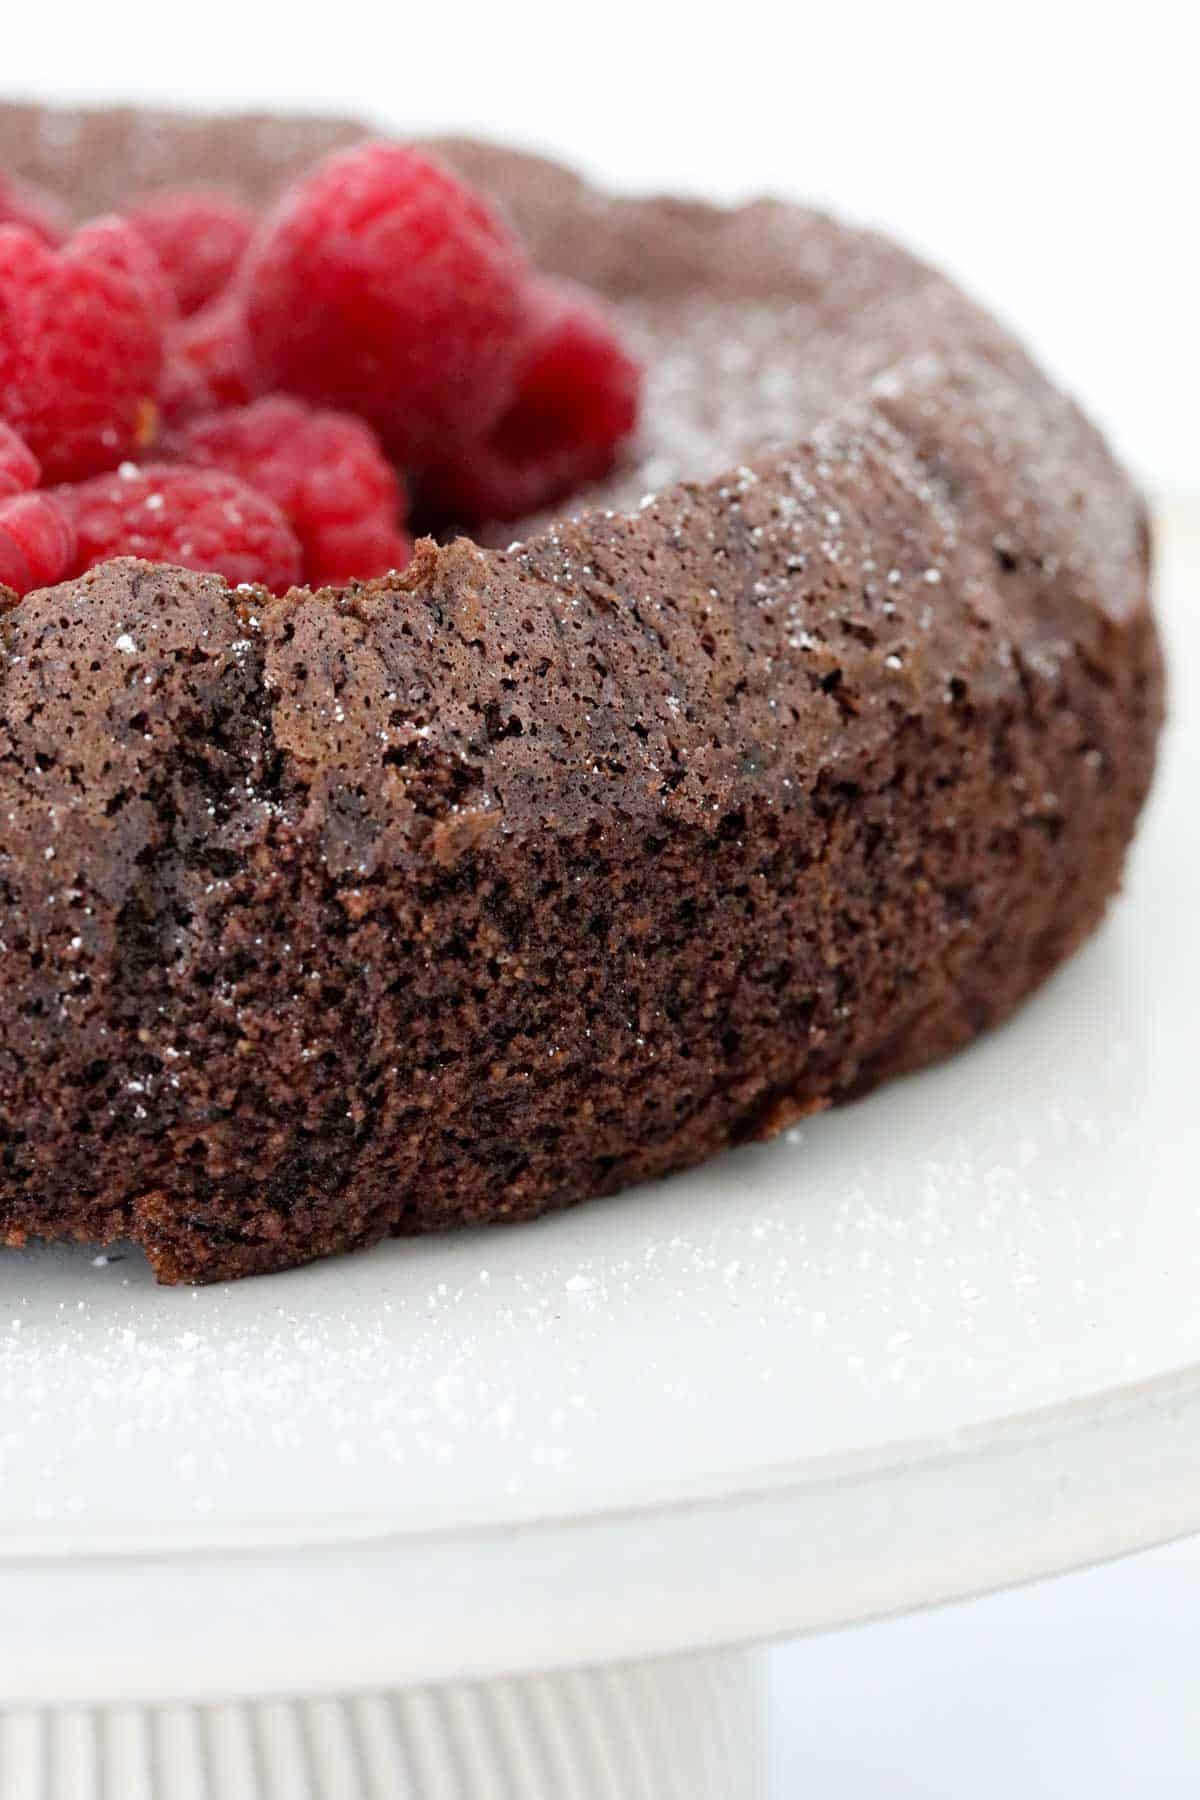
[537, 872]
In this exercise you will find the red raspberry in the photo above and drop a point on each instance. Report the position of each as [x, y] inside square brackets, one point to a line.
[576, 399]
[383, 286]
[34, 208]
[19, 467]
[209, 364]
[116, 244]
[37, 542]
[358, 550]
[327, 473]
[193, 518]
[80, 349]
[199, 235]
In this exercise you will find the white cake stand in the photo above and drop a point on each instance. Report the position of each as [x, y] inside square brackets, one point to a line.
[940, 1341]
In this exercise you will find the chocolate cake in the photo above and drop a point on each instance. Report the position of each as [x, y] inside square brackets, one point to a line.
[793, 759]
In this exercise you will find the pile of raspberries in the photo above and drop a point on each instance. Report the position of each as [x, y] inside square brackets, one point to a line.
[188, 383]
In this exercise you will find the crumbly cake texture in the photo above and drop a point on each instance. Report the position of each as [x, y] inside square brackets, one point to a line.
[545, 869]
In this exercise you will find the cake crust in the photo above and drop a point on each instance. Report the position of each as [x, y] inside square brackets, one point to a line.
[546, 869]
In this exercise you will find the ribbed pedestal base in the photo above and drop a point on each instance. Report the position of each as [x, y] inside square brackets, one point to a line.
[682, 1730]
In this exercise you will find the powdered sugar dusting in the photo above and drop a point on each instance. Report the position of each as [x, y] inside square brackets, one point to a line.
[731, 381]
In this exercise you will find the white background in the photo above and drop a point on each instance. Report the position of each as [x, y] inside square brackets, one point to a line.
[1049, 156]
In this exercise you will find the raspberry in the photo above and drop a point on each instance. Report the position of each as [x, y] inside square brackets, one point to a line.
[34, 208]
[80, 348]
[194, 518]
[209, 364]
[327, 473]
[122, 249]
[37, 542]
[198, 235]
[383, 286]
[19, 467]
[357, 551]
[577, 397]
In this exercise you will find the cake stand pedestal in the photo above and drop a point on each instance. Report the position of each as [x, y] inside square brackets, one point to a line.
[672, 1730]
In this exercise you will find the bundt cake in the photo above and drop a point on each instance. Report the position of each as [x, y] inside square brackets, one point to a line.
[788, 759]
